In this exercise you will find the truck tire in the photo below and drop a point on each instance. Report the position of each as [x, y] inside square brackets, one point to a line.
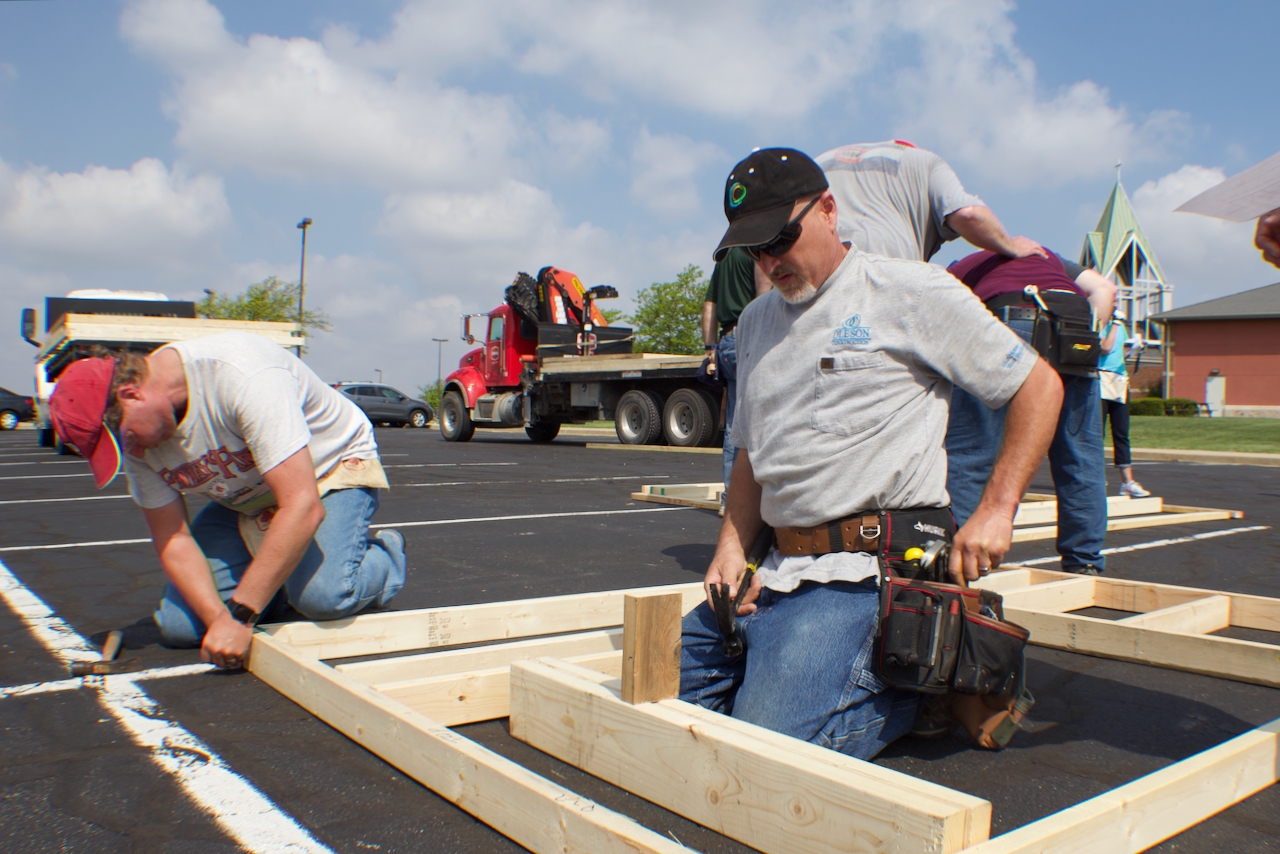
[638, 418]
[455, 421]
[543, 431]
[687, 421]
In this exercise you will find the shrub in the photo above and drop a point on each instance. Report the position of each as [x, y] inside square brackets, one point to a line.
[1181, 406]
[1147, 406]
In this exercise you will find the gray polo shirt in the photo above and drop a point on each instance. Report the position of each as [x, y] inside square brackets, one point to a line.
[843, 401]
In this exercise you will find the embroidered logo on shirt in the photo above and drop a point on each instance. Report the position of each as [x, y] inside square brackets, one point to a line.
[850, 334]
[1013, 356]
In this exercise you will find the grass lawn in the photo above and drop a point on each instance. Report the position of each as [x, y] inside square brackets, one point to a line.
[1246, 435]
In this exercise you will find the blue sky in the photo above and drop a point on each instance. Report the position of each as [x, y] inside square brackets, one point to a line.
[441, 147]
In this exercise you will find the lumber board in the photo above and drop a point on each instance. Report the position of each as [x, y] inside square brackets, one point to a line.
[1067, 594]
[1125, 523]
[1144, 813]
[460, 661]
[102, 327]
[398, 631]
[651, 647]
[762, 794]
[703, 495]
[1040, 512]
[455, 699]
[1199, 616]
[1226, 658]
[532, 811]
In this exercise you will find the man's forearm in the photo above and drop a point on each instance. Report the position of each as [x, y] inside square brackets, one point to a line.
[709, 324]
[978, 225]
[286, 541]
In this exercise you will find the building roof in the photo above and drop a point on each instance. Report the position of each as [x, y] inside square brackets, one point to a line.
[1116, 231]
[1259, 302]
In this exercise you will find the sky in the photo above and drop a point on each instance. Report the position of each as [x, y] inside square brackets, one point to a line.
[442, 147]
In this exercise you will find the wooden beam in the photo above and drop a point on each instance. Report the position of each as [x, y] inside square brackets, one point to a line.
[1068, 594]
[1040, 512]
[1226, 658]
[1144, 813]
[458, 661]
[532, 811]
[766, 796]
[397, 631]
[651, 647]
[1048, 532]
[1197, 617]
[455, 699]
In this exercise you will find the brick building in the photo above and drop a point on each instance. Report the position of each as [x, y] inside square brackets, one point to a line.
[1226, 353]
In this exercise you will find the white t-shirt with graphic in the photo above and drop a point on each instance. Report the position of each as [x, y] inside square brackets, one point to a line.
[250, 406]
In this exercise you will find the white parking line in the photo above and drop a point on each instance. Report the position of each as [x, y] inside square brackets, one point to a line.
[545, 480]
[51, 500]
[442, 465]
[529, 516]
[47, 463]
[1152, 544]
[77, 683]
[42, 476]
[233, 802]
[98, 543]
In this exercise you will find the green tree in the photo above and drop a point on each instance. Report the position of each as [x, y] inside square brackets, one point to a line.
[668, 316]
[270, 299]
[432, 394]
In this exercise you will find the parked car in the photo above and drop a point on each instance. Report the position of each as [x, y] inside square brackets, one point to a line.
[385, 405]
[15, 408]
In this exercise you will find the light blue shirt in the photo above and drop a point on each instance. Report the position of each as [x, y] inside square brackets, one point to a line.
[1113, 362]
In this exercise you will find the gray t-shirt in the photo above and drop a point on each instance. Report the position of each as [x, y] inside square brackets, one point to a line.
[250, 406]
[893, 198]
[843, 400]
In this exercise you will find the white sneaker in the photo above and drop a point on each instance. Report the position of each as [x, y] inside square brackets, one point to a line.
[1133, 489]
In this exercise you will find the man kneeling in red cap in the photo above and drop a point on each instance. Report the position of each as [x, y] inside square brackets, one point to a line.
[290, 465]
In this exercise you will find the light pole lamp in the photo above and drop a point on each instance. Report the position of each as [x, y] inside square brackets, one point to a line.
[302, 276]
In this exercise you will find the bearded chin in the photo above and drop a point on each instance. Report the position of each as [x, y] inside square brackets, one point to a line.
[800, 295]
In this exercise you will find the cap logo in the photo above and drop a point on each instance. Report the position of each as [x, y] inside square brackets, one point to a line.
[737, 195]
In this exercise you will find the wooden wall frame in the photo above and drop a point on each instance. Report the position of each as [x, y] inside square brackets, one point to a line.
[548, 662]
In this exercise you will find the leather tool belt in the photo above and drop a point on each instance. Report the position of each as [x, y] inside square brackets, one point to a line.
[887, 534]
[1062, 330]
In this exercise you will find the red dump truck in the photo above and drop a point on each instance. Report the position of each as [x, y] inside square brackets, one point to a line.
[549, 358]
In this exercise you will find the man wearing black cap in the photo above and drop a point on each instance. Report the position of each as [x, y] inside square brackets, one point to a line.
[845, 370]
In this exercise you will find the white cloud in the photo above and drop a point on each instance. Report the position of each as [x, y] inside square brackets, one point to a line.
[1202, 257]
[665, 169]
[146, 216]
[975, 93]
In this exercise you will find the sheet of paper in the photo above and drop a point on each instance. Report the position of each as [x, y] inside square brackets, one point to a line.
[1242, 197]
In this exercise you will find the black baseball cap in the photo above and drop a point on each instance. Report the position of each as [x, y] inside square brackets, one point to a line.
[760, 193]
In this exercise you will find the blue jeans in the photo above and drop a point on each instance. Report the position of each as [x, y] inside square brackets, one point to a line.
[808, 669]
[727, 354]
[1118, 412]
[1075, 460]
[344, 570]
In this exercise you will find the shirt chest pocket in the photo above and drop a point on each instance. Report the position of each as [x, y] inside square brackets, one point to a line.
[849, 393]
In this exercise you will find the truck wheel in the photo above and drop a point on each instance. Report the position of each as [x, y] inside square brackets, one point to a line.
[455, 421]
[638, 418]
[687, 420]
[543, 431]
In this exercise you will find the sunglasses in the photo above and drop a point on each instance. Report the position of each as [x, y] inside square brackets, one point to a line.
[786, 238]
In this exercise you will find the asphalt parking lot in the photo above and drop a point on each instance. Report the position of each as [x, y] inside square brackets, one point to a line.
[175, 763]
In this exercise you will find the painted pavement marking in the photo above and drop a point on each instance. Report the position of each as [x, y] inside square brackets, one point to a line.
[1151, 545]
[233, 802]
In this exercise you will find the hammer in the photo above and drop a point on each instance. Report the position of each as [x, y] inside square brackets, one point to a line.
[107, 664]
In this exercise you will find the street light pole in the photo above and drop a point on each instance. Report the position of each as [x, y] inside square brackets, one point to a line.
[378, 371]
[302, 276]
[439, 359]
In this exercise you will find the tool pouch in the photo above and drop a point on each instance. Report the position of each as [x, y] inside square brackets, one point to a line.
[938, 637]
[1064, 335]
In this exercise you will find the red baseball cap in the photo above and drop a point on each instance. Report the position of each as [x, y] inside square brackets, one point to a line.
[76, 409]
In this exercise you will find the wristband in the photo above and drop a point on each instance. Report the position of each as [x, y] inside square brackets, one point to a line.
[708, 346]
[242, 613]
